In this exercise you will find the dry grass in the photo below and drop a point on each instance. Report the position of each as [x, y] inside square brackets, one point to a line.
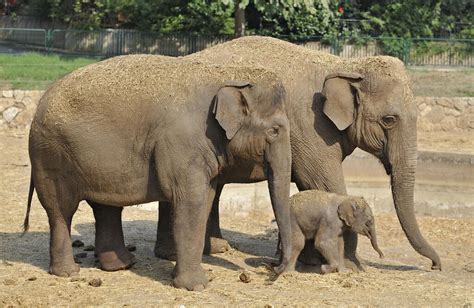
[442, 82]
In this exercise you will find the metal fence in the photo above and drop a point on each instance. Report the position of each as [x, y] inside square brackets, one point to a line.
[105, 43]
[416, 52]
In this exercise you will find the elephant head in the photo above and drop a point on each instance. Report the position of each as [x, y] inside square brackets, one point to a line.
[357, 215]
[257, 129]
[374, 106]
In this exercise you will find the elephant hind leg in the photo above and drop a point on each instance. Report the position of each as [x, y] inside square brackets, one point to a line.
[60, 204]
[164, 245]
[298, 245]
[109, 240]
[215, 243]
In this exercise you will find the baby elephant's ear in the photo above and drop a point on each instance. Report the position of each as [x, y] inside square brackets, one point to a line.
[346, 212]
[231, 105]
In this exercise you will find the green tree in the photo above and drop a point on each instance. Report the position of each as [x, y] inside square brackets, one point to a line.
[284, 17]
[410, 18]
[168, 16]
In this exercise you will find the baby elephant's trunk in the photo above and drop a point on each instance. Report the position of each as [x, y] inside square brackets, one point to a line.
[373, 240]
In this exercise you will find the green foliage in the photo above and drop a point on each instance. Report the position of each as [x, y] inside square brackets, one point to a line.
[79, 14]
[310, 18]
[286, 18]
[400, 19]
[289, 18]
[168, 16]
[411, 18]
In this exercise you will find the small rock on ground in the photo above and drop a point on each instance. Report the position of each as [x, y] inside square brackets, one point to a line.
[96, 282]
[89, 248]
[77, 243]
[245, 277]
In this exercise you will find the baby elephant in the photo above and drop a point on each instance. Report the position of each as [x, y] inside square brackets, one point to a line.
[323, 217]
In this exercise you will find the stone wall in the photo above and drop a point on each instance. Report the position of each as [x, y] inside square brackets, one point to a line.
[445, 113]
[17, 108]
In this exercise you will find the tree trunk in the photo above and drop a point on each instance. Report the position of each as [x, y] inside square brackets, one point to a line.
[239, 20]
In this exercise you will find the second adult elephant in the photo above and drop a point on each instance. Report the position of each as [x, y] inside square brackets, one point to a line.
[334, 105]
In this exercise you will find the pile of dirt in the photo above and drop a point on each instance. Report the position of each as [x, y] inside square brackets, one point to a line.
[147, 78]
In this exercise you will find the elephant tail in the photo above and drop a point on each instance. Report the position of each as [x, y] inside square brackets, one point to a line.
[26, 222]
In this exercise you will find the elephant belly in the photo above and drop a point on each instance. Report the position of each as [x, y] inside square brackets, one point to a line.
[112, 168]
[121, 180]
[131, 192]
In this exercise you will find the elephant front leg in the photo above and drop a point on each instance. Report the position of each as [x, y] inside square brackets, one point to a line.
[329, 249]
[189, 230]
[109, 241]
[215, 243]
[164, 245]
[350, 247]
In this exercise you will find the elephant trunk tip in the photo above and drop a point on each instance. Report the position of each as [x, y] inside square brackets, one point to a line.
[381, 255]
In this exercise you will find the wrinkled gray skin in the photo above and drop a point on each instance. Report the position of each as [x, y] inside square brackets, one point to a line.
[136, 129]
[334, 105]
[321, 218]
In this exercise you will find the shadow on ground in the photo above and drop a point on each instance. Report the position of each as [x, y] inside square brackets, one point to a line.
[33, 248]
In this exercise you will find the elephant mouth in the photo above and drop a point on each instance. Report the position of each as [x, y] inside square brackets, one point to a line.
[386, 164]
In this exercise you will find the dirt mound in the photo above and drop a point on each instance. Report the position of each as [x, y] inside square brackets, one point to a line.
[148, 78]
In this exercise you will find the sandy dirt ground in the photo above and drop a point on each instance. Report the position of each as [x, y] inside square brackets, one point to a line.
[403, 278]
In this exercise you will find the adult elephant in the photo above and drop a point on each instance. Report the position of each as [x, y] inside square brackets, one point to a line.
[334, 105]
[136, 129]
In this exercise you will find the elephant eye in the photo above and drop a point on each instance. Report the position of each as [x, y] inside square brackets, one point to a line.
[273, 132]
[389, 121]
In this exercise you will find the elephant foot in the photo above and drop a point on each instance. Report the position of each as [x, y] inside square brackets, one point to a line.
[216, 245]
[327, 269]
[111, 261]
[64, 270]
[194, 280]
[353, 264]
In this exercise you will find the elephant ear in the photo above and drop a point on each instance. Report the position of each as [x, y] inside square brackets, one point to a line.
[340, 91]
[231, 105]
[346, 211]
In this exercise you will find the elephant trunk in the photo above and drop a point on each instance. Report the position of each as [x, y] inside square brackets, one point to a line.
[373, 240]
[278, 159]
[403, 157]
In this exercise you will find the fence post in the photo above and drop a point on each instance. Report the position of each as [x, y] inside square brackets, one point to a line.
[48, 40]
[406, 50]
[335, 46]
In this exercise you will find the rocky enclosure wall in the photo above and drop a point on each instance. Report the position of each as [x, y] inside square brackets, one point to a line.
[17, 108]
